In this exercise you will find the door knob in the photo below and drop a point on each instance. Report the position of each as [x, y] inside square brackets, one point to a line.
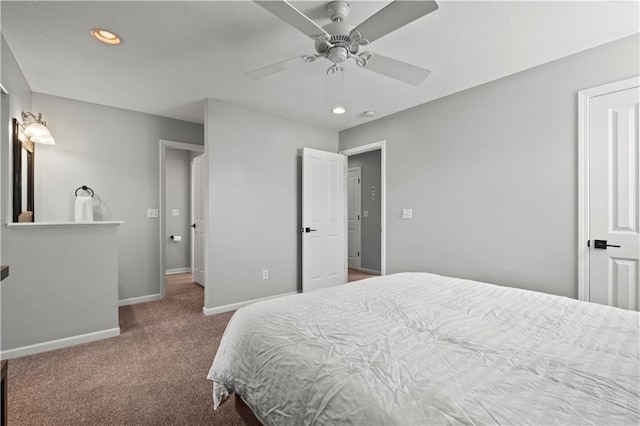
[193, 226]
[601, 244]
[309, 230]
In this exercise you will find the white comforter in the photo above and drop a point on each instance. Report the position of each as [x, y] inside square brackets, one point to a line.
[415, 349]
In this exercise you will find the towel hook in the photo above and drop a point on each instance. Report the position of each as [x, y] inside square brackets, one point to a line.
[85, 188]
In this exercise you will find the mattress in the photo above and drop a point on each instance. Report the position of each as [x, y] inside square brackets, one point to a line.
[418, 348]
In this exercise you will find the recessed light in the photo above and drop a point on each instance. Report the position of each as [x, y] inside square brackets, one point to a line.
[369, 114]
[338, 110]
[106, 36]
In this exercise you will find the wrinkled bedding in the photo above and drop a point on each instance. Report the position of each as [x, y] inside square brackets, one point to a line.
[417, 348]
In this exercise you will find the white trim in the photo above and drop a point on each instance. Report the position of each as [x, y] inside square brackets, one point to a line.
[234, 306]
[61, 224]
[368, 271]
[141, 299]
[60, 343]
[164, 144]
[382, 146]
[175, 271]
[584, 97]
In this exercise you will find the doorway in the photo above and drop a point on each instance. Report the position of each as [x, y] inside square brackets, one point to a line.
[366, 183]
[179, 199]
[324, 210]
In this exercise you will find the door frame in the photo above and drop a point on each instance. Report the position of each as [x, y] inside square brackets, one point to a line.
[359, 170]
[584, 98]
[382, 146]
[162, 228]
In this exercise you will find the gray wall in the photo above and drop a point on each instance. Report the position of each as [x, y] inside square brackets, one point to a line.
[115, 152]
[370, 226]
[491, 174]
[63, 283]
[19, 100]
[178, 196]
[254, 206]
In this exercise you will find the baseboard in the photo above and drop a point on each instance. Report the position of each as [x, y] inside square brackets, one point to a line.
[177, 271]
[60, 343]
[141, 299]
[369, 271]
[234, 306]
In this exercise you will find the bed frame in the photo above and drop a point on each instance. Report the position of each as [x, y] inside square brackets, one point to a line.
[245, 412]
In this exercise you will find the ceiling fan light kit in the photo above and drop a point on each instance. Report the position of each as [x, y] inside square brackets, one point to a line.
[340, 41]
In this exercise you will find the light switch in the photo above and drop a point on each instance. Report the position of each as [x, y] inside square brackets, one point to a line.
[175, 212]
[152, 213]
[407, 213]
[365, 213]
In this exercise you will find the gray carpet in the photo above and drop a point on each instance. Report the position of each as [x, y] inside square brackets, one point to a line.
[153, 373]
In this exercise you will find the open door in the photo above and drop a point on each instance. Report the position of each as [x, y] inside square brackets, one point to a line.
[198, 224]
[614, 166]
[354, 211]
[323, 219]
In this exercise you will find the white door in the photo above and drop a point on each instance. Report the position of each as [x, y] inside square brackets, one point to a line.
[354, 188]
[323, 219]
[198, 187]
[614, 157]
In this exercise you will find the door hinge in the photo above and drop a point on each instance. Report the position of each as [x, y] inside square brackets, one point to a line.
[358, 217]
[358, 254]
[358, 180]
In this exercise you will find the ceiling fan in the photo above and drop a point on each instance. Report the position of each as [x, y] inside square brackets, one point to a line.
[340, 41]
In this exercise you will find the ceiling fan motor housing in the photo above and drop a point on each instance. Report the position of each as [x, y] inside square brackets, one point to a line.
[340, 43]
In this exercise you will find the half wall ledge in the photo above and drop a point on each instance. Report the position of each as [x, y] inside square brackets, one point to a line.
[61, 224]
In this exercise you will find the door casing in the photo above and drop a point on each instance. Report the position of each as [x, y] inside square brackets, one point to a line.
[382, 146]
[164, 144]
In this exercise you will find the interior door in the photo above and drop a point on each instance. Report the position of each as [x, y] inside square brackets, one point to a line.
[354, 188]
[323, 219]
[614, 156]
[198, 187]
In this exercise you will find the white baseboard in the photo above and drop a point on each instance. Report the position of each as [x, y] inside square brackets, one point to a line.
[141, 299]
[234, 306]
[177, 271]
[59, 343]
[369, 271]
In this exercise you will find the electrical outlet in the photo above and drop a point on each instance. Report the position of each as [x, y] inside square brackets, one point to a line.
[175, 212]
[265, 274]
[407, 213]
[152, 213]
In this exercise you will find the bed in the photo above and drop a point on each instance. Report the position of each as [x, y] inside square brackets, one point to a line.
[418, 348]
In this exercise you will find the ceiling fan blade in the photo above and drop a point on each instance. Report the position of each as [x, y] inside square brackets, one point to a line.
[393, 16]
[395, 69]
[278, 66]
[292, 16]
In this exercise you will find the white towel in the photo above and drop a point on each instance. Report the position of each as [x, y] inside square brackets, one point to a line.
[84, 209]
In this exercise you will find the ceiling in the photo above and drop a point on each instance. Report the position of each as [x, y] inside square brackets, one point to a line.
[176, 53]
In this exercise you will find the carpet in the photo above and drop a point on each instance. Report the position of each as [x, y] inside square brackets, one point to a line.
[153, 373]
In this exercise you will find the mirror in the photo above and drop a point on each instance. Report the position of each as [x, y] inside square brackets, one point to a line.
[23, 189]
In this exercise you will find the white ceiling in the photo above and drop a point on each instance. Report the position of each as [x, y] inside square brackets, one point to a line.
[177, 53]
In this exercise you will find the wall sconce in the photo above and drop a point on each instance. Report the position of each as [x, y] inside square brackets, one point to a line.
[33, 128]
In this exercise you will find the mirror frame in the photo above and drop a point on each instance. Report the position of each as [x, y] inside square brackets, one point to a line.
[18, 146]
